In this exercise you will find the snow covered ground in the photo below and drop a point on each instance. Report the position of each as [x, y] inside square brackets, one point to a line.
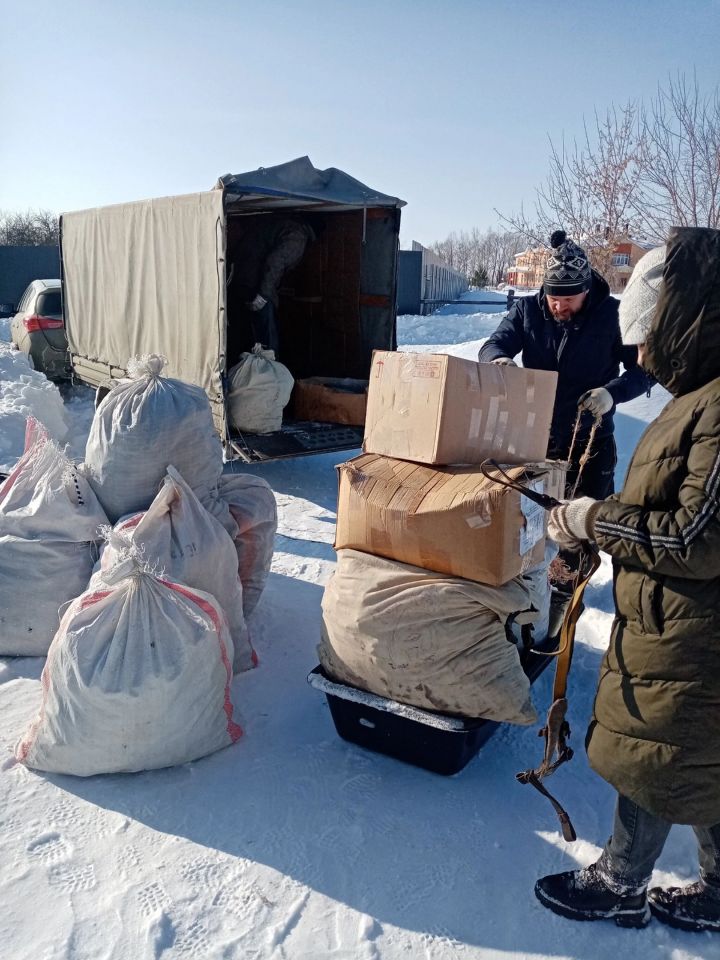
[294, 844]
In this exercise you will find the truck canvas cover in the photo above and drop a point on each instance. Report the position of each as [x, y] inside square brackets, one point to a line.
[150, 277]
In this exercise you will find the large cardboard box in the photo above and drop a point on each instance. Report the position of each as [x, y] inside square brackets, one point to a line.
[438, 409]
[449, 519]
[330, 400]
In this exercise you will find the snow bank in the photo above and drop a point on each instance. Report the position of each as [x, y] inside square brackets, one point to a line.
[25, 392]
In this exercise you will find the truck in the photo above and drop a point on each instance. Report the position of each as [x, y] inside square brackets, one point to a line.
[152, 276]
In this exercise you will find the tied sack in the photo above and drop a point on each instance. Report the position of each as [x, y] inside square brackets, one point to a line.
[246, 507]
[49, 522]
[144, 424]
[259, 390]
[137, 678]
[179, 539]
[426, 639]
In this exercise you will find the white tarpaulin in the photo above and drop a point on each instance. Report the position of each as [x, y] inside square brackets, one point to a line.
[117, 306]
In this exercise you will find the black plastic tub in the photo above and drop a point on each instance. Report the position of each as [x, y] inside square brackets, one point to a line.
[438, 742]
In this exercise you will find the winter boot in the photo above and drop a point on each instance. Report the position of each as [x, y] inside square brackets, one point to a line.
[695, 907]
[584, 895]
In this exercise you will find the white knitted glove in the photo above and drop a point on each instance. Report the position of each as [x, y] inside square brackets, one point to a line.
[504, 362]
[258, 303]
[567, 525]
[598, 401]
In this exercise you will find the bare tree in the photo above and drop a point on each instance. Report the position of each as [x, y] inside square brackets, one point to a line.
[471, 252]
[590, 187]
[31, 228]
[638, 170]
[679, 159]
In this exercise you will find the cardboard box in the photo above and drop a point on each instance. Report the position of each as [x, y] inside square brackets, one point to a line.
[330, 400]
[438, 409]
[449, 519]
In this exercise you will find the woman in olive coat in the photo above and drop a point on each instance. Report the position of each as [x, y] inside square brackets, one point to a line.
[655, 731]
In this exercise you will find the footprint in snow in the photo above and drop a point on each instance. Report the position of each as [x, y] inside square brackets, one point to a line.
[49, 848]
[153, 899]
[72, 879]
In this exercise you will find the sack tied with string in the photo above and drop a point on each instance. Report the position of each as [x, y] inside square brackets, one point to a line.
[137, 677]
[179, 539]
[144, 424]
[259, 390]
[49, 527]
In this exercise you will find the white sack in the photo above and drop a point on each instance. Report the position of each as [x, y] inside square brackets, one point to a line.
[144, 424]
[424, 638]
[246, 507]
[49, 520]
[179, 539]
[137, 677]
[259, 390]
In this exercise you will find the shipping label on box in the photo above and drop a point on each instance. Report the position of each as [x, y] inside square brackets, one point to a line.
[437, 409]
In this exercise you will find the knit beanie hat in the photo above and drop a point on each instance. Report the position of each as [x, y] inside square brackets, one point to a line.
[567, 271]
[640, 297]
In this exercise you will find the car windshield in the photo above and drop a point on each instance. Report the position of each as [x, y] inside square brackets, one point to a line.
[49, 304]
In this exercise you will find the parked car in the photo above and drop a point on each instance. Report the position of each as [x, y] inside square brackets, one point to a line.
[38, 329]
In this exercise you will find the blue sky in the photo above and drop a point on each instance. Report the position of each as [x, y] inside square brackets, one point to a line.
[447, 105]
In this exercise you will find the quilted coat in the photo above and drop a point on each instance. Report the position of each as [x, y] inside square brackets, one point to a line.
[655, 731]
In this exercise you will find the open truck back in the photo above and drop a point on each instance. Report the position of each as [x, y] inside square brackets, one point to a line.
[151, 277]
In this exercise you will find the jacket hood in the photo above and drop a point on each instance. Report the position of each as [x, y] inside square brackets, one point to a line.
[683, 345]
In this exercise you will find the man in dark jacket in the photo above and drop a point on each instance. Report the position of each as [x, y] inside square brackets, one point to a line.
[572, 326]
[655, 731]
[263, 250]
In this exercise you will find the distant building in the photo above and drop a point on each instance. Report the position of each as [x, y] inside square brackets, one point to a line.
[529, 267]
[625, 255]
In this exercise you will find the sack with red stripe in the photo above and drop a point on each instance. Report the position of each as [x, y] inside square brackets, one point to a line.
[245, 505]
[178, 538]
[137, 677]
[49, 525]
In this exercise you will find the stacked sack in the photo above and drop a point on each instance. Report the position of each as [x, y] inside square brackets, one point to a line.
[49, 533]
[138, 673]
[438, 567]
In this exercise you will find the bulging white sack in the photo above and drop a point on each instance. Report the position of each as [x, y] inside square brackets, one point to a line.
[137, 677]
[179, 539]
[49, 525]
[143, 425]
[259, 390]
[424, 638]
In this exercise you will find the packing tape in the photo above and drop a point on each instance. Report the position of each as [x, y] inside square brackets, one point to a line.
[476, 416]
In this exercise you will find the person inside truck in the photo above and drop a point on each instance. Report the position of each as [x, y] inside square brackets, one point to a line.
[263, 251]
[571, 325]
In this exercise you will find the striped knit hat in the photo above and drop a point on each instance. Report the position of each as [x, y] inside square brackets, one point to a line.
[567, 271]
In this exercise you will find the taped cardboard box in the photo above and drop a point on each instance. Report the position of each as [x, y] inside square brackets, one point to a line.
[438, 409]
[449, 519]
[330, 400]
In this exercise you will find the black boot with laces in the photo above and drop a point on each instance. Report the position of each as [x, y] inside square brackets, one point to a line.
[695, 907]
[584, 895]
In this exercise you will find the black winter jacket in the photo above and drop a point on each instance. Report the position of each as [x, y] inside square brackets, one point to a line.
[586, 351]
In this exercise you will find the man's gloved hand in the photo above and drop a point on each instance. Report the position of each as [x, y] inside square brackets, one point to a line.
[598, 401]
[504, 362]
[258, 303]
[568, 523]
